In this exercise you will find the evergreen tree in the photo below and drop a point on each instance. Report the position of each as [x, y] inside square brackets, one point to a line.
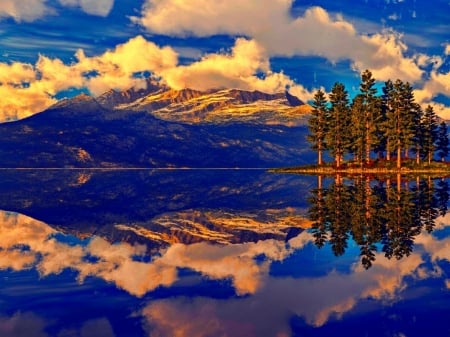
[338, 135]
[358, 144]
[399, 107]
[371, 116]
[418, 138]
[317, 124]
[442, 141]
[388, 125]
[430, 133]
[408, 117]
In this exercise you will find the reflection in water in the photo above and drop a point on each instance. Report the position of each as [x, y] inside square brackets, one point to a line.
[26, 243]
[378, 215]
[222, 266]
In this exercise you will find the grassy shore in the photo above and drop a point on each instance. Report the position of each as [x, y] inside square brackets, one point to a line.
[377, 167]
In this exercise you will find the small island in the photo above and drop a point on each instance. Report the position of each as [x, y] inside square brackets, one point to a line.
[375, 134]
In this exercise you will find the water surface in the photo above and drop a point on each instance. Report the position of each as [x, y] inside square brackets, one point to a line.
[221, 253]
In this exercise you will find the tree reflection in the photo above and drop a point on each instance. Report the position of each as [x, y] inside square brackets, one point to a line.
[379, 215]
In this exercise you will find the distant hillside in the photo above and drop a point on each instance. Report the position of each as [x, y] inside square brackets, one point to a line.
[114, 131]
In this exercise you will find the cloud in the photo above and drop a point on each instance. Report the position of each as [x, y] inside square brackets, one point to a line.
[22, 325]
[93, 7]
[438, 83]
[236, 69]
[24, 10]
[31, 10]
[314, 33]
[29, 89]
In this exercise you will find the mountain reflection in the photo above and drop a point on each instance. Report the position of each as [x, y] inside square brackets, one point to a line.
[379, 215]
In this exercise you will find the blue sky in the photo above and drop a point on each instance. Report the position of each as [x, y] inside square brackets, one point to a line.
[54, 48]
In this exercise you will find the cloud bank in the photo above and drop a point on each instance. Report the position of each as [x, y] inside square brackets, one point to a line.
[31, 10]
[269, 31]
[29, 89]
[93, 7]
[24, 10]
[272, 26]
[317, 32]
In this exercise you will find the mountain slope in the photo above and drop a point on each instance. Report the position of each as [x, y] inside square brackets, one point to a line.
[214, 106]
[71, 136]
[86, 132]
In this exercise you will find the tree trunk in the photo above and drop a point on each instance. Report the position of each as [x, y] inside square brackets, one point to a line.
[319, 156]
[367, 143]
[388, 152]
[399, 157]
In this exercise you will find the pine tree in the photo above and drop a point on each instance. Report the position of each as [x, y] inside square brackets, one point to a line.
[388, 125]
[442, 141]
[418, 132]
[408, 118]
[358, 144]
[371, 116]
[338, 135]
[398, 101]
[317, 125]
[430, 134]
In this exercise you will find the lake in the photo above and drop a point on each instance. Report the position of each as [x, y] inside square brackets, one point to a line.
[222, 253]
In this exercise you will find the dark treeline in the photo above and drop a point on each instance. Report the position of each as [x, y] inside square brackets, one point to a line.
[390, 125]
[377, 215]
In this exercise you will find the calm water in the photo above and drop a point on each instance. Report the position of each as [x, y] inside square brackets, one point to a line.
[222, 253]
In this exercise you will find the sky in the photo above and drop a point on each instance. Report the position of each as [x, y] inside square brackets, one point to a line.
[52, 49]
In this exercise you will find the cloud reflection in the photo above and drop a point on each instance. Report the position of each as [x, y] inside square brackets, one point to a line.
[27, 243]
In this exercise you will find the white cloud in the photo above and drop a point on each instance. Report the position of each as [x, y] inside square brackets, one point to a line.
[447, 49]
[31, 10]
[28, 89]
[24, 10]
[237, 69]
[314, 33]
[93, 7]
[438, 83]
[23, 324]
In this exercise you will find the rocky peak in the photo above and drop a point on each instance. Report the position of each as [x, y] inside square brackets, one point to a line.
[112, 98]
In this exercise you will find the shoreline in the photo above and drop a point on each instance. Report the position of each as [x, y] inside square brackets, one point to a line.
[442, 170]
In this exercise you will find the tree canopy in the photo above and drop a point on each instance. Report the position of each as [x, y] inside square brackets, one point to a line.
[390, 126]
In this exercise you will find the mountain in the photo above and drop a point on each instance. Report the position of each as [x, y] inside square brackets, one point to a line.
[213, 106]
[185, 128]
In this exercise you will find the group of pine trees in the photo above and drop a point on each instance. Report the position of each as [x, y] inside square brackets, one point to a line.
[388, 126]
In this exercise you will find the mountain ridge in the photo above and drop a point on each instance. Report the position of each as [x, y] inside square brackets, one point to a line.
[190, 129]
[195, 107]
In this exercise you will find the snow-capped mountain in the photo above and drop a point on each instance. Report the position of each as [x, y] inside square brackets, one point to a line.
[161, 127]
[213, 106]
